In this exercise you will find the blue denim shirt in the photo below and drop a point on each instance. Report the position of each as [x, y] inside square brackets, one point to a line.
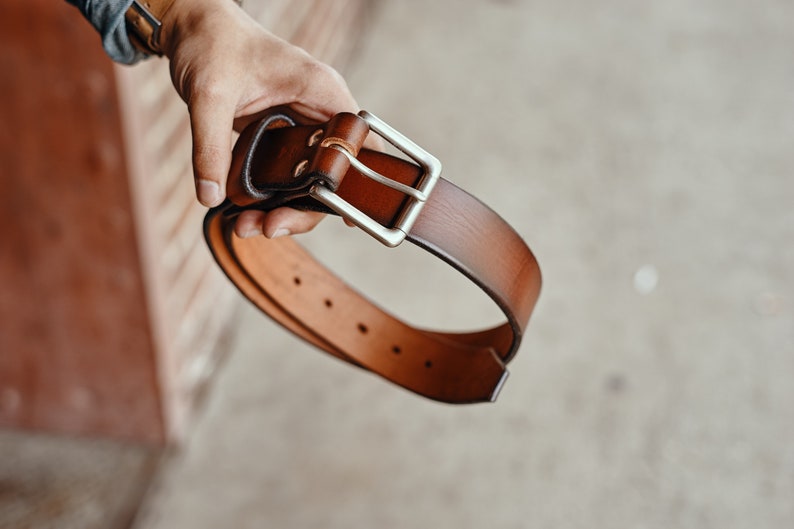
[107, 16]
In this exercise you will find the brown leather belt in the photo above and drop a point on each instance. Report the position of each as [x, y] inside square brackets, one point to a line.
[288, 160]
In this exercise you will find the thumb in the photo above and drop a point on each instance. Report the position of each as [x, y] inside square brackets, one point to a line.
[211, 122]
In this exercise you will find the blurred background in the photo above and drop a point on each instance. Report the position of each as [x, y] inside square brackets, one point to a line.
[644, 152]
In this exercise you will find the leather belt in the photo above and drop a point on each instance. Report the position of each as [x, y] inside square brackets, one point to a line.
[288, 160]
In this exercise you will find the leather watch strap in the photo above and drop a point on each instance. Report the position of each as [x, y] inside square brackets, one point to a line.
[283, 160]
[144, 19]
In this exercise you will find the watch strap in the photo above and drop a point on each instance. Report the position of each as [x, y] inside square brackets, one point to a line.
[144, 22]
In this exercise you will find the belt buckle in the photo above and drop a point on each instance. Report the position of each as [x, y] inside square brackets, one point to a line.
[389, 236]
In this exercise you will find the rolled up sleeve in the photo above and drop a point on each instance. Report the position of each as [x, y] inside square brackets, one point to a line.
[107, 16]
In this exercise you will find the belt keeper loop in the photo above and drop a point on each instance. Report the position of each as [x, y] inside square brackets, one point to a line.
[344, 131]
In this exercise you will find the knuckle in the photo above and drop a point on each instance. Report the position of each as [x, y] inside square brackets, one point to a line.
[208, 92]
[320, 72]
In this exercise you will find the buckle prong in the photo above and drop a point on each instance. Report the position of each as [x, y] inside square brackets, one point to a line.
[431, 171]
[373, 175]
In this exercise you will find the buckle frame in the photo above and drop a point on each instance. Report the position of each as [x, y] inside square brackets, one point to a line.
[431, 166]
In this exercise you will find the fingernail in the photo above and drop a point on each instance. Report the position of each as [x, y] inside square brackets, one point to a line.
[281, 232]
[209, 193]
[252, 232]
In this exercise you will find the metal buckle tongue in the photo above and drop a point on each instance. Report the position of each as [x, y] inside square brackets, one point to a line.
[431, 170]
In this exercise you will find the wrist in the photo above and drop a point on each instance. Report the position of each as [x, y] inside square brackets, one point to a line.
[152, 23]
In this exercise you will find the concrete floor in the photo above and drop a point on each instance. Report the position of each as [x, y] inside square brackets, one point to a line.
[645, 151]
[57, 482]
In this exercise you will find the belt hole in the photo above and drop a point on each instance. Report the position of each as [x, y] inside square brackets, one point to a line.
[428, 364]
[299, 168]
[396, 349]
[314, 138]
[362, 328]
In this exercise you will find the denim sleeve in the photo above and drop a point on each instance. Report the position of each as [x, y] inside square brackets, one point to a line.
[107, 16]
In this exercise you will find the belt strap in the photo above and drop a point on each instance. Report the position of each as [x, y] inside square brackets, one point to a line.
[288, 160]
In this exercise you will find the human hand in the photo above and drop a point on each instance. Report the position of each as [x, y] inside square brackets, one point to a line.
[228, 69]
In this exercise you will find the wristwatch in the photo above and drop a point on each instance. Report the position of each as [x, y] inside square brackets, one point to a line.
[144, 20]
